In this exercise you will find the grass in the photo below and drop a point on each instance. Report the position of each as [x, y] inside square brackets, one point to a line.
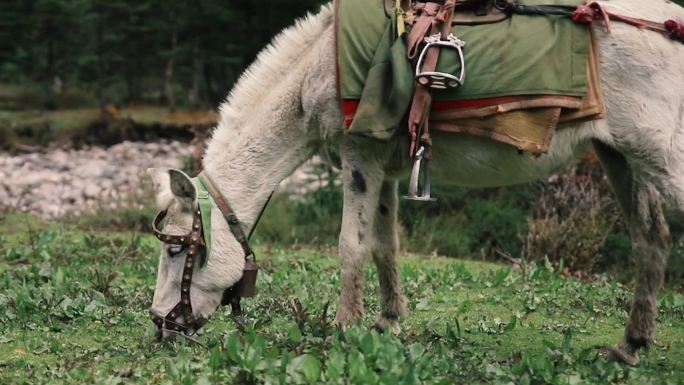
[73, 309]
[79, 117]
[41, 127]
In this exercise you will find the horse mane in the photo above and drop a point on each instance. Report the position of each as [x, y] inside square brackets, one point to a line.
[271, 64]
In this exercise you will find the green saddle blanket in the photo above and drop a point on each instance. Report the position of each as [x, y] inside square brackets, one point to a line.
[521, 55]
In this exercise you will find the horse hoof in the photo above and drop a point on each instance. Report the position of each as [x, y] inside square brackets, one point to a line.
[345, 318]
[620, 354]
[382, 324]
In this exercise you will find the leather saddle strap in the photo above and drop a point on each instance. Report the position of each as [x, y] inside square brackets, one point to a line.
[422, 27]
[228, 213]
[432, 18]
[589, 11]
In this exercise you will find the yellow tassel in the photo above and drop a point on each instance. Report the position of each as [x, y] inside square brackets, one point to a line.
[401, 28]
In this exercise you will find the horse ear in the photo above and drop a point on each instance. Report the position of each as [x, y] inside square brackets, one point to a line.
[160, 178]
[161, 182]
[182, 187]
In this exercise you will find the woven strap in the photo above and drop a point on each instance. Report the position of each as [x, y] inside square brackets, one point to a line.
[234, 224]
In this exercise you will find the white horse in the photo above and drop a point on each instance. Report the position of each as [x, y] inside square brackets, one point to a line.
[285, 109]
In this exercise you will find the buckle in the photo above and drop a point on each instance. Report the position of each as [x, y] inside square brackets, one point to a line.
[441, 80]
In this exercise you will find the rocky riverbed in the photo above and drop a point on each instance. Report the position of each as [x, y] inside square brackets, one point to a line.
[58, 182]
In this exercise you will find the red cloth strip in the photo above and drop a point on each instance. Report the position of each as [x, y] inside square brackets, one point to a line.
[349, 106]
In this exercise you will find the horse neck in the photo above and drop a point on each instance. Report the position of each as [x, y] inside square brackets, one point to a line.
[264, 132]
[248, 163]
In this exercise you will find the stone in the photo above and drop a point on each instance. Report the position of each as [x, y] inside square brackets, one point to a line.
[27, 180]
[92, 191]
[90, 169]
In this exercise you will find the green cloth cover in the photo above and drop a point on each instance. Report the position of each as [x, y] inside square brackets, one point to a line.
[204, 202]
[522, 55]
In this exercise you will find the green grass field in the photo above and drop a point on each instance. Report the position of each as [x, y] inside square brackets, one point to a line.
[73, 310]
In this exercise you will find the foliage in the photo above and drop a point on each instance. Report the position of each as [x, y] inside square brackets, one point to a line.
[124, 50]
[312, 218]
[571, 222]
[73, 309]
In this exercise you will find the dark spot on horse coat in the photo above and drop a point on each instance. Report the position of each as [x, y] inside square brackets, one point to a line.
[361, 236]
[383, 209]
[358, 182]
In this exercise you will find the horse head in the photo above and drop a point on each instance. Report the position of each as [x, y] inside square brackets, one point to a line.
[193, 277]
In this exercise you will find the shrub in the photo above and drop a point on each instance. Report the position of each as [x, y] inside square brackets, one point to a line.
[313, 217]
[494, 227]
[572, 222]
[467, 222]
[438, 235]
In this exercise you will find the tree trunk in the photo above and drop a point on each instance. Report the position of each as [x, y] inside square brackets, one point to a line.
[168, 73]
[193, 95]
[51, 100]
[98, 47]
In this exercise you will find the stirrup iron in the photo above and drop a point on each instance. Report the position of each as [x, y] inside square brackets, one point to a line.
[415, 176]
[441, 80]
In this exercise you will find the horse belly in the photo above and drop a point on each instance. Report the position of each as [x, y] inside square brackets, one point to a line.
[472, 161]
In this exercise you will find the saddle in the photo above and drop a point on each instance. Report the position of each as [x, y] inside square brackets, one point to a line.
[431, 31]
[531, 65]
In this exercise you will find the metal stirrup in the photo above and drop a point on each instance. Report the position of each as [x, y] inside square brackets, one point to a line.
[415, 176]
[441, 80]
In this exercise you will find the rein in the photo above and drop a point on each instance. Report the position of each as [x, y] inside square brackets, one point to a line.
[198, 242]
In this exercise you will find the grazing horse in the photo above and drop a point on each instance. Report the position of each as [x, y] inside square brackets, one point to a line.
[286, 108]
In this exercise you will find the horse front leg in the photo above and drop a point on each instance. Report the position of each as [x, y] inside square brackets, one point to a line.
[392, 300]
[362, 178]
[642, 208]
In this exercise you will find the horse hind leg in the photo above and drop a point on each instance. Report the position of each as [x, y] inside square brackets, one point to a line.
[642, 209]
[392, 300]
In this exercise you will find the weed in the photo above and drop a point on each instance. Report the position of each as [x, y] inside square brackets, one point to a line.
[76, 312]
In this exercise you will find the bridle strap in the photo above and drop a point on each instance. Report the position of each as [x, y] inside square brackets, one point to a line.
[167, 238]
[234, 223]
[195, 241]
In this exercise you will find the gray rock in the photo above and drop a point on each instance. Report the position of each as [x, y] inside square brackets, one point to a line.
[27, 180]
[92, 191]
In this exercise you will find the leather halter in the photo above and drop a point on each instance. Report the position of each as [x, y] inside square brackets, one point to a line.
[196, 243]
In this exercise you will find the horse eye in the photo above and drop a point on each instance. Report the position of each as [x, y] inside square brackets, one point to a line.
[174, 250]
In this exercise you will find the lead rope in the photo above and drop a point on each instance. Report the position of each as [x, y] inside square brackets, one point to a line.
[261, 213]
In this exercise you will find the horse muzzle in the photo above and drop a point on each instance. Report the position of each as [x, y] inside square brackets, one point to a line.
[176, 323]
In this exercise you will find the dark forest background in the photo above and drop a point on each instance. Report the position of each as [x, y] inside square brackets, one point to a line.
[178, 53]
